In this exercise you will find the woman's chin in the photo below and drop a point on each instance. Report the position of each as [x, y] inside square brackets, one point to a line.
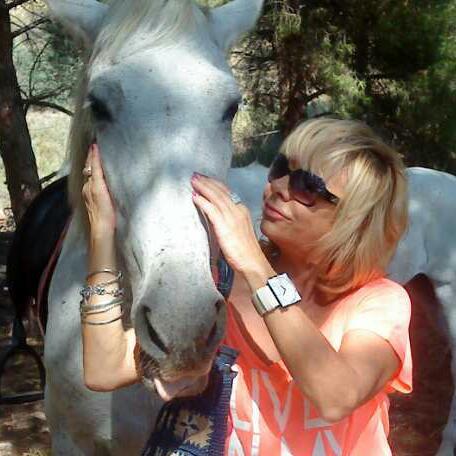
[270, 230]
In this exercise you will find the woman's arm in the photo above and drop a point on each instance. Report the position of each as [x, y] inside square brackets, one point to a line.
[108, 350]
[336, 382]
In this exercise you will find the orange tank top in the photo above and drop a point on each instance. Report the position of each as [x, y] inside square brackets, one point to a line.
[269, 416]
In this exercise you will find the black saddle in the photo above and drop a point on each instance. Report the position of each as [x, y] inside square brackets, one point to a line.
[34, 244]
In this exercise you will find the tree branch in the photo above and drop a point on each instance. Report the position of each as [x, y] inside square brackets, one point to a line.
[35, 63]
[29, 27]
[376, 76]
[47, 178]
[15, 3]
[46, 104]
[315, 94]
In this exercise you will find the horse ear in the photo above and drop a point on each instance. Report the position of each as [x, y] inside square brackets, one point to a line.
[81, 18]
[229, 22]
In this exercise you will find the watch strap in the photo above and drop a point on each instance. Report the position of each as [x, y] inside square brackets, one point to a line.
[264, 300]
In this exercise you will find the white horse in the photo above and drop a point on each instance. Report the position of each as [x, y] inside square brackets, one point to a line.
[428, 247]
[159, 97]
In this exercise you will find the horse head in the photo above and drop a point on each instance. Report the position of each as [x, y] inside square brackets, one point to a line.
[159, 97]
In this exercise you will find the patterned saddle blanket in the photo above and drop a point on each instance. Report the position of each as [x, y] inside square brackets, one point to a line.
[197, 426]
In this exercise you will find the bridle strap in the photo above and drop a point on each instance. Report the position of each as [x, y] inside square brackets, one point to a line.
[222, 273]
[225, 278]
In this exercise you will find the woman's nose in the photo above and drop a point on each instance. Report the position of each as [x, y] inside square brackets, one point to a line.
[281, 188]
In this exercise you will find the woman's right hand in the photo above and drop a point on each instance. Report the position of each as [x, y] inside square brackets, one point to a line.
[98, 201]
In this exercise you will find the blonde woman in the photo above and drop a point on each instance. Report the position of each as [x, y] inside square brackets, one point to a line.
[322, 334]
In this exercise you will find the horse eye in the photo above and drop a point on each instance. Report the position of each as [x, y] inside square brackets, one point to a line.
[231, 112]
[99, 109]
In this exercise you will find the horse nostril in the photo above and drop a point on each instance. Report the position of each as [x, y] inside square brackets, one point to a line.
[154, 337]
[211, 336]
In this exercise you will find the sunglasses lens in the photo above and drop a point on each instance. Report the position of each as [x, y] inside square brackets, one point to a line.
[301, 189]
[279, 168]
[305, 186]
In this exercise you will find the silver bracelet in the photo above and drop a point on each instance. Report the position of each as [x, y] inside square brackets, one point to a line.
[100, 290]
[84, 307]
[118, 276]
[100, 323]
[85, 312]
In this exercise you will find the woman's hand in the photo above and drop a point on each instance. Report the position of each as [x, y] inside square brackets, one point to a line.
[231, 222]
[98, 201]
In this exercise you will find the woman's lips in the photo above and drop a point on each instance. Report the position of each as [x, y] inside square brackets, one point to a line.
[271, 212]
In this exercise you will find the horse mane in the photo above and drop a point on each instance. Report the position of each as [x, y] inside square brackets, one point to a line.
[147, 23]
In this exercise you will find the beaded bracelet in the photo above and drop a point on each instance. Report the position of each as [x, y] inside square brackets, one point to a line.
[100, 290]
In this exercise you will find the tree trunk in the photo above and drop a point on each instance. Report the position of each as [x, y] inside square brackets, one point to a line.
[15, 145]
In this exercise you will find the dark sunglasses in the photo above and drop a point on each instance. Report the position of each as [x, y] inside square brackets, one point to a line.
[305, 186]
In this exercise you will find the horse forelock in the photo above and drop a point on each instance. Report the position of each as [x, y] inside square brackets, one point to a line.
[155, 22]
[81, 135]
[162, 22]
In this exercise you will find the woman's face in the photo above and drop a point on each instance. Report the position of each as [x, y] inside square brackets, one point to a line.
[292, 225]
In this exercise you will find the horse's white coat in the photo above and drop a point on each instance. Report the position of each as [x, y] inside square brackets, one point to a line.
[166, 102]
[81, 18]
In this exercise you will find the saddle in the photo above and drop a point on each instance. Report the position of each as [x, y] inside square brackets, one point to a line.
[35, 250]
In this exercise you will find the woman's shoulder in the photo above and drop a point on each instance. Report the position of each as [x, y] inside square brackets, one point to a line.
[377, 287]
[382, 287]
[382, 294]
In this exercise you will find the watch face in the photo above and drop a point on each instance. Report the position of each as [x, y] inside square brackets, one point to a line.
[284, 290]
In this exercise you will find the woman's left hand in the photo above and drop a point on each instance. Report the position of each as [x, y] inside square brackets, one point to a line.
[231, 222]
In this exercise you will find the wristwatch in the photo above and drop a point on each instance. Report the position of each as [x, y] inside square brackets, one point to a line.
[279, 292]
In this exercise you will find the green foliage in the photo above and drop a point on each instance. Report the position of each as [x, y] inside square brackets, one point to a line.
[389, 62]
[415, 49]
[346, 90]
[287, 22]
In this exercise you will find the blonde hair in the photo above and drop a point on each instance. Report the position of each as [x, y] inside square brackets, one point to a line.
[373, 211]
